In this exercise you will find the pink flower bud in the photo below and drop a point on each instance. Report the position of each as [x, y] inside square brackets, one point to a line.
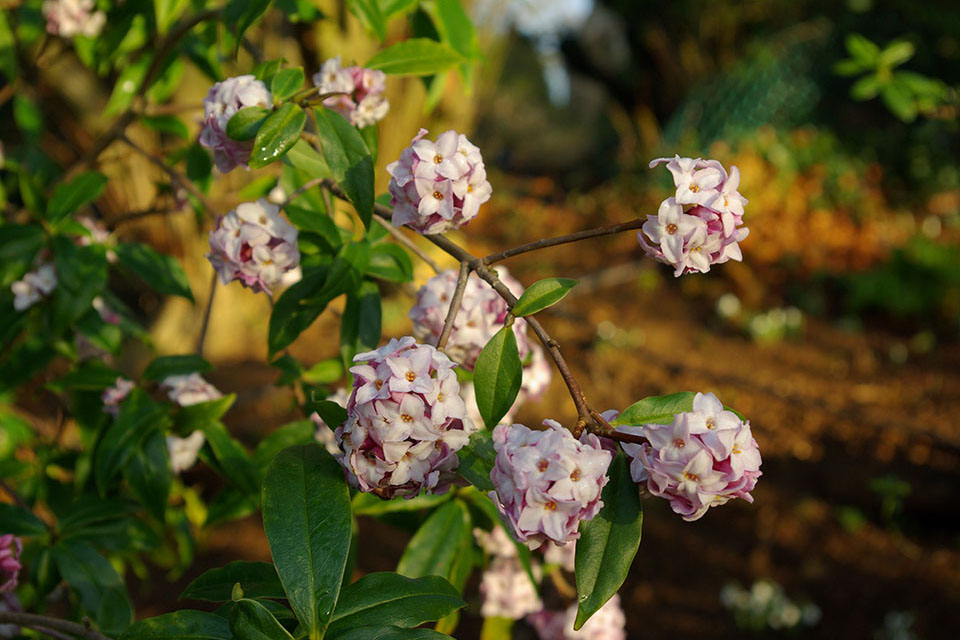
[223, 101]
[10, 548]
[482, 314]
[438, 186]
[255, 245]
[113, 396]
[406, 421]
[700, 225]
[547, 482]
[702, 459]
[361, 102]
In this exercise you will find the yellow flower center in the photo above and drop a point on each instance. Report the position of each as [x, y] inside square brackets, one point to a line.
[695, 188]
[438, 195]
[575, 476]
[679, 443]
[671, 228]
[550, 506]
[691, 476]
[437, 159]
[411, 376]
[711, 424]
[406, 418]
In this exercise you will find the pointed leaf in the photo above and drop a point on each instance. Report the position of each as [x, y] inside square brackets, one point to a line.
[161, 272]
[149, 475]
[278, 133]
[98, 587]
[656, 409]
[250, 620]
[497, 376]
[20, 522]
[139, 417]
[245, 124]
[257, 579]
[368, 12]
[286, 83]
[415, 57]
[68, 198]
[542, 294]
[178, 365]
[349, 160]
[181, 625]
[390, 633]
[434, 548]
[477, 459]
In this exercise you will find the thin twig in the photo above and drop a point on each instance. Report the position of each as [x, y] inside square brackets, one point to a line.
[34, 621]
[301, 190]
[206, 314]
[56, 635]
[20, 502]
[454, 305]
[572, 237]
[407, 242]
[175, 176]
[139, 215]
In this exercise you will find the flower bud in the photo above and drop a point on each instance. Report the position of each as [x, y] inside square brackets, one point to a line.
[10, 548]
[547, 482]
[113, 396]
[361, 101]
[438, 186]
[34, 285]
[702, 459]
[223, 101]
[183, 451]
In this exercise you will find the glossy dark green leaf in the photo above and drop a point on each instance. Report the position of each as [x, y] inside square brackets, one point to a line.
[265, 71]
[434, 548]
[332, 414]
[90, 375]
[161, 272]
[306, 515]
[233, 459]
[238, 15]
[655, 409]
[609, 542]
[19, 521]
[289, 435]
[25, 360]
[542, 294]
[69, 197]
[477, 459]
[307, 220]
[8, 51]
[349, 160]
[286, 83]
[178, 365]
[20, 242]
[181, 625]
[278, 133]
[250, 620]
[304, 157]
[99, 589]
[139, 416]
[149, 476]
[390, 262]
[390, 633]
[257, 579]
[81, 277]
[497, 376]
[392, 599]
[372, 139]
[368, 12]
[245, 124]
[415, 57]
[360, 322]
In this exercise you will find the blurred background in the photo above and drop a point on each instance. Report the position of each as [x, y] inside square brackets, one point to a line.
[836, 335]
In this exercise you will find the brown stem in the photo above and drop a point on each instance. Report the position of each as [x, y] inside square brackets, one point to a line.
[138, 215]
[572, 237]
[37, 622]
[306, 186]
[454, 305]
[206, 314]
[407, 242]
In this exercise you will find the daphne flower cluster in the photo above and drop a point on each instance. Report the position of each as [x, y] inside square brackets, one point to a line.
[184, 451]
[189, 389]
[33, 286]
[10, 548]
[223, 101]
[69, 18]
[255, 245]
[547, 482]
[438, 186]
[113, 396]
[700, 225]
[361, 100]
[406, 421]
[482, 314]
[702, 459]
[608, 623]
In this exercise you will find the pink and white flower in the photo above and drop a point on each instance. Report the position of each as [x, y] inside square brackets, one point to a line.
[223, 101]
[255, 245]
[438, 186]
[113, 396]
[183, 451]
[406, 421]
[546, 482]
[507, 591]
[69, 18]
[700, 225]
[324, 433]
[702, 459]
[35, 285]
[10, 548]
[482, 314]
[190, 389]
[608, 623]
[362, 101]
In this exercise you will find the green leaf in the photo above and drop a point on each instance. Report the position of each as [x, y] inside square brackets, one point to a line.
[97, 585]
[360, 323]
[324, 372]
[332, 414]
[896, 53]
[166, 366]
[415, 57]
[250, 620]
[655, 409]
[609, 542]
[181, 625]
[392, 599]
[542, 294]
[497, 376]
[289, 435]
[368, 12]
[307, 220]
[149, 476]
[477, 459]
[280, 131]
[170, 125]
[91, 375]
[20, 522]
[265, 71]
[139, 416]
[368, 504]
[850, 67]
[457, 30]
[167, 12]
[23, 362]
[69, 197]
[125, 89]
[304, 157]
[435, 547]
[238, 15]
[245, 124]
[899, 99]
[862, 49]
[232, 458]
[82, 274]
[306, 515]
[202, 414]
[286, 83]
[257, 579]
[161, 272]
[392, 8]
[8, 51]
[390, 633]
[372, 139]
[866, 88]
[349, 160]
[390, 262]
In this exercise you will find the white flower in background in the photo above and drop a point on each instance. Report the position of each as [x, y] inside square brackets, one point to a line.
[113, 396]
[496, 542]
[362, 102]
[507, 591]
[563, 555]
[33, 286]
[324, 434]
[69, 18]
[608, 623]
[183, 451]
[189, 389]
